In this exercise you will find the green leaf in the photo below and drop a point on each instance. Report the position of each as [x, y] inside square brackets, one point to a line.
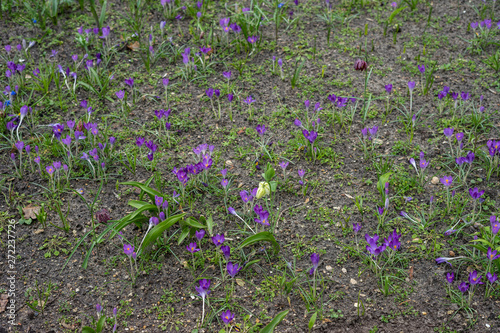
[250, 263]
[312, 321]
[138, 203]
[210, 226]
[264, 236]
[273, 185]
[269, 173]
[394, 13]
[381, 182]
[270, 327]
[151, 192]
[158, 230]
[102, 17]
[100, 324]
[193, 223]
[184, 234]
[87, 329]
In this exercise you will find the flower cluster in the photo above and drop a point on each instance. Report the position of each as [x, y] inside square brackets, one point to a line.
[203, 158]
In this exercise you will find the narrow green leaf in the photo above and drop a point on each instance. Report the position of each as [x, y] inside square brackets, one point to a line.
[272, 325]
[184, 234]
[100, 324]
[87, 329]
[158, 230]
[312, 321]
[144, 188]
[381, 182]
[193, 223]
[394, 13]
[264, 236]
[210, 226]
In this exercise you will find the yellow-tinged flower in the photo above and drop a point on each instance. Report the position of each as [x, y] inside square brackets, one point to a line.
[263, 190]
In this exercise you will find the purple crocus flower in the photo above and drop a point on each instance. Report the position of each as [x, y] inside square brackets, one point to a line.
[388, 88]
[450, 277]
[475, 193]
[262, 215]
[153, 221]
[218, 239]
[495, 226]
[459, 136]
[227, 316]
[233, 269]
[356, 227]
[421, 69]
[463, 287]
[158, 201]
[373, 131]
[199, 234]
[120, 94]
[249, 100]
[19, 145]
[301, 173]
[252, 39]
[446, 181]
[297, 123]
[245, 196]
[474, 279]
[492, 255]
[492, 277]
[192, 247]
[315, 262]
[372, 245]
[261, 129]
[411, 85]
[423, 164]
[448, 132]
[470, 157]
[226, 250]
[203, 288]
[283, 165]
[128, 249]
[129, 82]
[465, 95]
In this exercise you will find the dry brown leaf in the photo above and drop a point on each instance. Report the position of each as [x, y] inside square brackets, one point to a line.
[242, 130]
[3, 302]
[31, 211]
[134, 46]
[67, 326]
[240, 282]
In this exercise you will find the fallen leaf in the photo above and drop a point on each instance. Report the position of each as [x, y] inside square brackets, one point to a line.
[242, 130]
[134, 46]
[350, 197]
[67, 326]
[410, 274]
[3, 302]
[30, 212]
[240, 282]
[307, 200]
